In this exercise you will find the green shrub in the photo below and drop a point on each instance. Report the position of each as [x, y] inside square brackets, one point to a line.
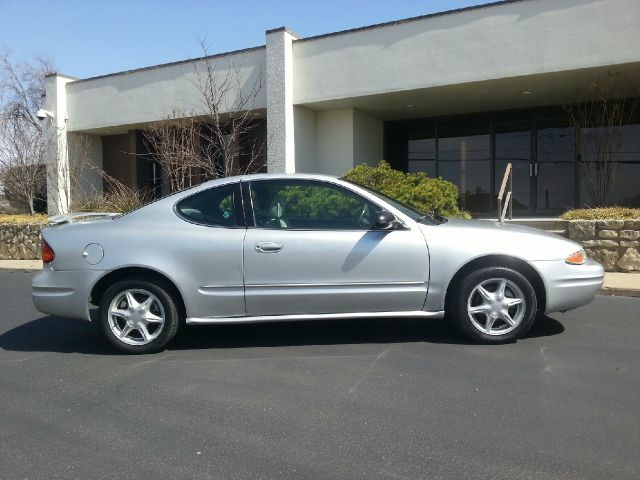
[415, 189]
[604, 213]
[319, 202]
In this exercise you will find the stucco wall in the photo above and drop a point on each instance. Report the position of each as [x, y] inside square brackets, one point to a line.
[152, 94]
[280, 116]
[334, 141]
[511, 40]
[305, 139]
[85, 154]
[344, 138]
[368, 136]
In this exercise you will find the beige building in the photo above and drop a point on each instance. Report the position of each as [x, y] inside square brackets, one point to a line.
[456, 94]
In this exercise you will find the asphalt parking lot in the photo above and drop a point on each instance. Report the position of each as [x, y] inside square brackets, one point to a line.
[342, 399]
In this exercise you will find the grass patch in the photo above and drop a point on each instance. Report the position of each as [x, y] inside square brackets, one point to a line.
[23, 219]
[605, 213]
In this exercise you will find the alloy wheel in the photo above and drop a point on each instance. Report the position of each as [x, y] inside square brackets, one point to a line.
[496, 306]
[136, 316]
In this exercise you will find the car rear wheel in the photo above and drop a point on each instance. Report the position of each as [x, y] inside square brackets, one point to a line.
[494, 305]
[138, 316]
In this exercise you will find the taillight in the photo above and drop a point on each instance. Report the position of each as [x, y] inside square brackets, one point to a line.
[47, 252]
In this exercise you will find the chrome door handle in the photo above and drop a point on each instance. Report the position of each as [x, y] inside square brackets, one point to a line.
[268, 247]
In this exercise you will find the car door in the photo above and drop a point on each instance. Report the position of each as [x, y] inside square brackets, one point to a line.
[312, 249]
[207, 251]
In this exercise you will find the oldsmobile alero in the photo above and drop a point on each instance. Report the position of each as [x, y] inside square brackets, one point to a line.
[267, 247]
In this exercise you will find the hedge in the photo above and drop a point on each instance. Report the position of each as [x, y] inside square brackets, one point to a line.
[417, 190]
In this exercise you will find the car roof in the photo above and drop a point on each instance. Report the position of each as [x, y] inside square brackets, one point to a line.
[269, 176]
[287, 176]
[177, 196]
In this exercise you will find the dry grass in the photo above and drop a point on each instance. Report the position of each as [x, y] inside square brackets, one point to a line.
[605, 213]
[23, 219]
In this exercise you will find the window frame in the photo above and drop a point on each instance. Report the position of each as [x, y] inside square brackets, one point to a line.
[238, 210]
[251, 222]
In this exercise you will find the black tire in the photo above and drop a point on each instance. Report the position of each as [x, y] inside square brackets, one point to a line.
[163, 334]
[470, 324]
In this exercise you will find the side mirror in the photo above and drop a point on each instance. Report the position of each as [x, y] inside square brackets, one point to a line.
[384, 220]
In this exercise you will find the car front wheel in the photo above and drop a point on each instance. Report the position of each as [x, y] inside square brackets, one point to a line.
[494, 305]
[138, 316]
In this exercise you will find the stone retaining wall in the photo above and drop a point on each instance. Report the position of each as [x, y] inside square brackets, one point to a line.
[613, 243]
[19, 242]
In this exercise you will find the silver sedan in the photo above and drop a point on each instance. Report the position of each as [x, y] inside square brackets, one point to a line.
[262, 248]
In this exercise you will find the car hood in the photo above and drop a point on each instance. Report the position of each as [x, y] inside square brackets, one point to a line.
[482, 237]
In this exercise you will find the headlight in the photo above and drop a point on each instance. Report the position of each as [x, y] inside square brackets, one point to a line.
[577, 258]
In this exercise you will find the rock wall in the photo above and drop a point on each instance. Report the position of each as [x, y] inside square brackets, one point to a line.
[613, 243]
[19, 242]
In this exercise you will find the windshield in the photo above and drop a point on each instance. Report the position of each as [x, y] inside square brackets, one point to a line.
[409, 211]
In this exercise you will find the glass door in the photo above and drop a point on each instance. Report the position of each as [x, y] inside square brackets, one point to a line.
[515, 147]
[553, 172]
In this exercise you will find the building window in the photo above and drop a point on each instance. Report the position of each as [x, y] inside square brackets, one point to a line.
[515, 148]
[466, 161]
[613, 153]
[472, 152]
[422, 156]
[555, 169]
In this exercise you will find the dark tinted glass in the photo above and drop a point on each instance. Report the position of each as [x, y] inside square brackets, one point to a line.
[466, 162]
[214, 207]
[515, 148]
[556, 169]
[422, 156]
[612, 153]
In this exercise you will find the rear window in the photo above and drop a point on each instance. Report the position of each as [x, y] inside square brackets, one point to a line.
[213, 207]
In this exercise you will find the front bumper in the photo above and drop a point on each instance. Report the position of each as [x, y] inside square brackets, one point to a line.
[63, 293]
[569, 286]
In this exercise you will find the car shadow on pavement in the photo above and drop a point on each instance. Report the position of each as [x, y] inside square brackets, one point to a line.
[55, 334]
[63, 335]
[336, 332]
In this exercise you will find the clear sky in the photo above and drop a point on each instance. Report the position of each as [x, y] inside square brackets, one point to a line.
[93, 37]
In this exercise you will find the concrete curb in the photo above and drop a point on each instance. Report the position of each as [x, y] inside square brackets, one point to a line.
[18, 270]
[20, 265]
[619, 292]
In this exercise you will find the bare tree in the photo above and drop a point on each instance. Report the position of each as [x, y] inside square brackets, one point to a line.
[219, 139]
[610, 102]
[175, 143]
[117, 197]
[24, 145]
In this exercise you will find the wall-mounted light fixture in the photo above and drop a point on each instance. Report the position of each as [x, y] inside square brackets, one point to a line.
[42, 114]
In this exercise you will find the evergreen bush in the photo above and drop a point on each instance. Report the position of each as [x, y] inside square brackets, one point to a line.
[418, 190]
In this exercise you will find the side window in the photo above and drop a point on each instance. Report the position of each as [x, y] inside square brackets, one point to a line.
[214, 207]
[309, 205]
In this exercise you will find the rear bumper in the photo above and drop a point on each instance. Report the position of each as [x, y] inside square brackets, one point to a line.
[63, 293]
[569, 286]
